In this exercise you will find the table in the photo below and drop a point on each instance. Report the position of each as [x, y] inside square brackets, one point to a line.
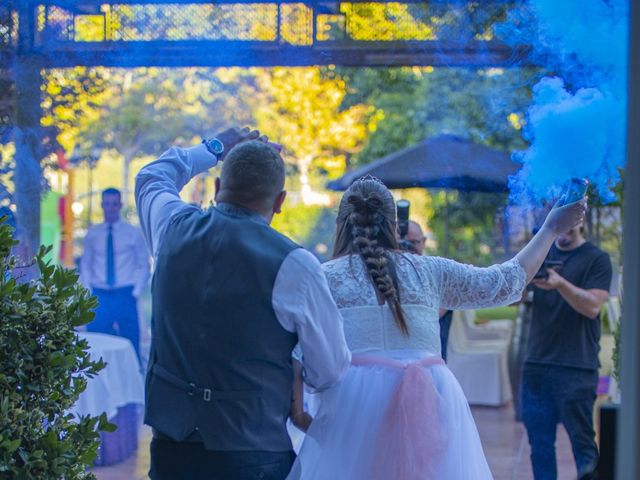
[117, 390]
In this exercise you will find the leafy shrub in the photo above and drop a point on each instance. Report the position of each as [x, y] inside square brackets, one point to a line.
[44, 367]
[616, 355]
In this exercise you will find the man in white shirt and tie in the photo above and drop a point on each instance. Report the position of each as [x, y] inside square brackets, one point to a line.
[115, 267]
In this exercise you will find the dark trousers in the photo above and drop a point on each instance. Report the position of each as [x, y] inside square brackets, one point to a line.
[190, 461]
[552, 394]
[117, 314]
[445, 326]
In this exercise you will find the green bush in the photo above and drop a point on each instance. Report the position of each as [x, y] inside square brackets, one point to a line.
[507, 312]
[615, 356]
[44, 367]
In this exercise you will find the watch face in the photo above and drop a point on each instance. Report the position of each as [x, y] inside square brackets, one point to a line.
[215, 146]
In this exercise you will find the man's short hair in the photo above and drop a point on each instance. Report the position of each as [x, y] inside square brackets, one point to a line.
[111, 191]
[252, 171]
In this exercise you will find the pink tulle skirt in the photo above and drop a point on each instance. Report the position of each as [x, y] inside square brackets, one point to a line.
[397, 415]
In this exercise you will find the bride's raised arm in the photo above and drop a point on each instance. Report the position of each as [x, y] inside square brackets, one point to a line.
[466, 286]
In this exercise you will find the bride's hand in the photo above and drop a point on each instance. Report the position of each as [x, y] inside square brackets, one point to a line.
[302, 421]
[563, 218]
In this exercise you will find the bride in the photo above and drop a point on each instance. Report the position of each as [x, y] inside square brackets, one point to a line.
[399, 414]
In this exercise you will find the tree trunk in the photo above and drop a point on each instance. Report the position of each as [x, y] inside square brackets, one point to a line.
[126, 175]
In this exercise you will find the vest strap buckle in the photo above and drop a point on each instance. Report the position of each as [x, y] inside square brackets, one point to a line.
[206, 395]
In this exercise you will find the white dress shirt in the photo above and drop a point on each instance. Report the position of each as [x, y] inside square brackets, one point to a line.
[130, 256]
[301, 298]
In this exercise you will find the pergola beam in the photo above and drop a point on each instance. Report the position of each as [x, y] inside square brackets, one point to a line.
[266, 54]
[84, 3]
[220, 36]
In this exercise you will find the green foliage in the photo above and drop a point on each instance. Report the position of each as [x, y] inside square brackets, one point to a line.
[471, 236]
[615, 356]
[604, 219]
[412, 104]
[71, 98]
[415, 103]
[301, 108]
[497, 313]
[297, 221]
[44, 367]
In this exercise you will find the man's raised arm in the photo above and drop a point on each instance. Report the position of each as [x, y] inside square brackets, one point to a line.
[158, 183]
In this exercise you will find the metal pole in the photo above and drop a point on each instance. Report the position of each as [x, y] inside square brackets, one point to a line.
[628, 441]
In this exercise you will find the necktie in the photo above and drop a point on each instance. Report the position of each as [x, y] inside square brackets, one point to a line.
[111, 266]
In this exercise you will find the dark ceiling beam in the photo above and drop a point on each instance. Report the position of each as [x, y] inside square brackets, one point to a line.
[73, 4]
[266, 54]
[56, 52]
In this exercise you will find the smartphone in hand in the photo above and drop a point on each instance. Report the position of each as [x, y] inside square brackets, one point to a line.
[574, 191]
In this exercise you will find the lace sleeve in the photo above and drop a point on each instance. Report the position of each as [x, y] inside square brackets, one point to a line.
[466, 287]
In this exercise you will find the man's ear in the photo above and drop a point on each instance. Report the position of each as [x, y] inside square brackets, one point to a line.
[217, 188]
[277, 204]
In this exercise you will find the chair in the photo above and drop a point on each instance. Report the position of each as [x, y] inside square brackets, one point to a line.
[492, 330]
[478, 356]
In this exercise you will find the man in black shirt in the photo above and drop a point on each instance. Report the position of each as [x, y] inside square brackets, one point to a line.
[560, 372]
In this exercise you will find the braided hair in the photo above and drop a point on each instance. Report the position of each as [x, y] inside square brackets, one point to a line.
[366, 226]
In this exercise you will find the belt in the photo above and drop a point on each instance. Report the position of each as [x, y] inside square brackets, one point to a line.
[205, 393]
[190, 388]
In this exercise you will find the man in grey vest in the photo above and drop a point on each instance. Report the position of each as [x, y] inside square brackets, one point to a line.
[231, 298]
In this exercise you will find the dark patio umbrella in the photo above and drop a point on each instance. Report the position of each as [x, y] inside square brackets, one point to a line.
[445, 161]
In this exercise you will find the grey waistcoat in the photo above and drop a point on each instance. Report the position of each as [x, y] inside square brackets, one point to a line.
[220, 361]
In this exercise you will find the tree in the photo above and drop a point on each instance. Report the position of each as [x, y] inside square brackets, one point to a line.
[300, 108]
[411, 104]
[154, 108]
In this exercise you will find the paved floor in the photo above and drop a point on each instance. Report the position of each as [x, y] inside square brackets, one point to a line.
[505, 444]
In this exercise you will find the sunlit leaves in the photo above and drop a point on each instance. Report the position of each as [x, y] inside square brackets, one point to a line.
[302, 110]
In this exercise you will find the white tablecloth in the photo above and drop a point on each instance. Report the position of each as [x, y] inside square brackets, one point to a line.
[118, 384]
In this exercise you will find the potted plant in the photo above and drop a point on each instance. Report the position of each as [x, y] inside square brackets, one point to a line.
[44, 366]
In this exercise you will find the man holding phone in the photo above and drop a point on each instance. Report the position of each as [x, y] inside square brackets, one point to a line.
[560, 372]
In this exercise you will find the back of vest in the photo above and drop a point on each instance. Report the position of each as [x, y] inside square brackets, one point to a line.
[220, 360]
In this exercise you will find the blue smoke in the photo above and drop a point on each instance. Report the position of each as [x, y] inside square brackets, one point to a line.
[576, 123]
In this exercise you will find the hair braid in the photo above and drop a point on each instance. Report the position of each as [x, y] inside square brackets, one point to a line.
[366, 221]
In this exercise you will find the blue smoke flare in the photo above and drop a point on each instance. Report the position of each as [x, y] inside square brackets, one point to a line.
[576, 123]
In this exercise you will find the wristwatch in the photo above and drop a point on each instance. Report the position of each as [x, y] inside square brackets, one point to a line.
[214, 146]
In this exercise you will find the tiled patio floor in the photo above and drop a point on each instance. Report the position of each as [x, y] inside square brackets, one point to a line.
[505, 444]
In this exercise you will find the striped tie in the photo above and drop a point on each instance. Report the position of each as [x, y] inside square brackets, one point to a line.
[111, 266]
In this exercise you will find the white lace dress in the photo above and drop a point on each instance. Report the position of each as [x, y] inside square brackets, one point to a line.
[399, 413]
